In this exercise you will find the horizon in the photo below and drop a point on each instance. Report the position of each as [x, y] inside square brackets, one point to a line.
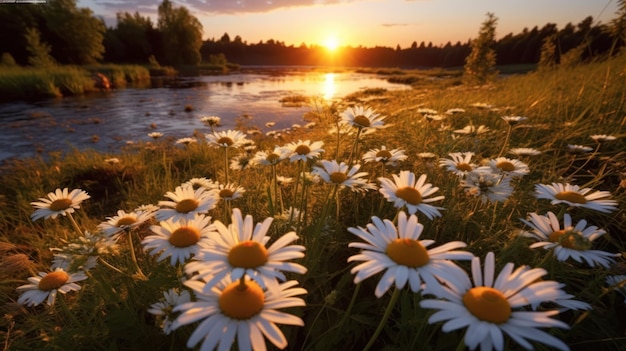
[363, 23]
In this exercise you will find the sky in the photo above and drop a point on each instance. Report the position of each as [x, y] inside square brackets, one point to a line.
[366, 23]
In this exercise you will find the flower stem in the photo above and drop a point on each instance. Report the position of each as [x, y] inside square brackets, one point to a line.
[506, 140]
[383, 321]
[132, 255]
[74, 224]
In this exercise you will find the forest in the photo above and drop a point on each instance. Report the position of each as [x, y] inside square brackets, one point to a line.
[61, 33]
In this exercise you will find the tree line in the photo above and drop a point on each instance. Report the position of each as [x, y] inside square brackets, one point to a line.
[60, 32]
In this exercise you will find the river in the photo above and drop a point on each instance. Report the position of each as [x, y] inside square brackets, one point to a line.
[109, 120]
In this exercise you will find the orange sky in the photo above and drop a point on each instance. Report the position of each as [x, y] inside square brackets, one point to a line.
[365, 22]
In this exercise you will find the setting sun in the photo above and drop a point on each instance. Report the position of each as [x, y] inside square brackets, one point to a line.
[331, 43]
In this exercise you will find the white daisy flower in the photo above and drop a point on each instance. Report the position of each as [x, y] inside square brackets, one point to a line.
[427, 111]
[452, 111]
[112, 161]
[406, 191]
[243, 311]
[362, 118]
[506, 166]
[573, 242]
[186, 141]
[426, 155]
[82, 252]
[239, 250]
[268, 158]
[403, 257]
[387, 157]
[573, 195]
[617, 282]
[487, 186]
[124, 222]
[163, 309]
[513, 120]
[524, 151]
[155, 135]
[47, 285]
[179, 240]
[460, 164]
[470, 129]
[201, 182]
[186, 203]
[302, 150]
[599, 138]
[342, 175]
[230, 191]
[490, 308]
[211, 121]
[284, 181]
[226, 139]
[578, 149]
[434, 117]
[240, 162]
[60, 202]
[482, 105]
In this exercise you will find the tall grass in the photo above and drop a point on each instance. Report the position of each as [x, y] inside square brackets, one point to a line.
[563, 107]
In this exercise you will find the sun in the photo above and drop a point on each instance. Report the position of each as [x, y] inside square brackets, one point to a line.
[331, 43]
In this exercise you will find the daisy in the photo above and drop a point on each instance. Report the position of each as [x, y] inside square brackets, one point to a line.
[179, 239]
[201, 182]
[482, 105]
[570, 242]
[342, 175]
[211, 121]
[427, 111]
[452, 111]
[402, 256]
[155, 135]
[490, 307]
[470, 129]
[426, 155]
[60, 202]
[573, 195]
[460, 164]
[617, 282]
[284, 181]
[302, 150]
[524, 151]
[578, 149]
[433, 118]
[362, 118]
[47, 285]
[240, 162]
[405, 190]
[246, 312]
[488, 186]
[186, 203]
[112, 161]
[268, 158]
[230, 191]
[239, 250]
[226, 139]
[507, 166]
[599, 138]
[513, 120]
[387, 157]
[186, 141]
[163, 309]
[82, 252]
[124, 222]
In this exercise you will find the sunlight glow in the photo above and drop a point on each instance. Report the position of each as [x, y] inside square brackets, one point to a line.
[329, 88]
[331, 43]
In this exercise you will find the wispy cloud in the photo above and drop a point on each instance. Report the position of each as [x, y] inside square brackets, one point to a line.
[389, 25]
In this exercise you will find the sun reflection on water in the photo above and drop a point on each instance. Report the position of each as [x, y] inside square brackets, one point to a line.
[329, 88]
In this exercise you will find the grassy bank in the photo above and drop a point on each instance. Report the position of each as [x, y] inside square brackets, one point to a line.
[564, 108]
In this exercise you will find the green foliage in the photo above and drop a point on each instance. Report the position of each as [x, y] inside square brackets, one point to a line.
[181, 34]
[39, 52]
[480, 63]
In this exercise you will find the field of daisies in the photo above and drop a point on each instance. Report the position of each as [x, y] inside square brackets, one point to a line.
[437, 218]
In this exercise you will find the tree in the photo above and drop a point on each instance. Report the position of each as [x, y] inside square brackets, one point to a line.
[130, 40]
[617, 26]
[39, 53]
[480, 63]
[182, 35]
[75, 34]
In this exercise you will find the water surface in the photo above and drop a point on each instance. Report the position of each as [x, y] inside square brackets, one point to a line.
[109, 120]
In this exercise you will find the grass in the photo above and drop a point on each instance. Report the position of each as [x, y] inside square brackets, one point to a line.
[110, 311]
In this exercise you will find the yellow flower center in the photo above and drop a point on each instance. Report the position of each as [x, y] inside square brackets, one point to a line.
[186, 206]
[362, 121]
[410, 195]
[60, 204]
[128, 220]
[303, 150]
[271, 158]
[570, 239]
[248, 254]
[487, 304]
[184, 236]
[242, 301]
[571, 196]
[225, 141]
[506, 166]
[464, 167]
[408, 252]
[226, 193]
[53, 280]
[338, 177]
[555, 236]
[384, 154]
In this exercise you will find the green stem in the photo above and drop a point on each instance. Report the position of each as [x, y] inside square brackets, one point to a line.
[383, 321]
[226, 164]
[140, 274]
[74, 224]
[354, 147]
[506, 141]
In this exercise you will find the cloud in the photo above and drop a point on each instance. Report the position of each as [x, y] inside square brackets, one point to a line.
[213, 6]
[388, 25]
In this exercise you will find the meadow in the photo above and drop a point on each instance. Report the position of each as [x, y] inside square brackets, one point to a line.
[400, 220]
